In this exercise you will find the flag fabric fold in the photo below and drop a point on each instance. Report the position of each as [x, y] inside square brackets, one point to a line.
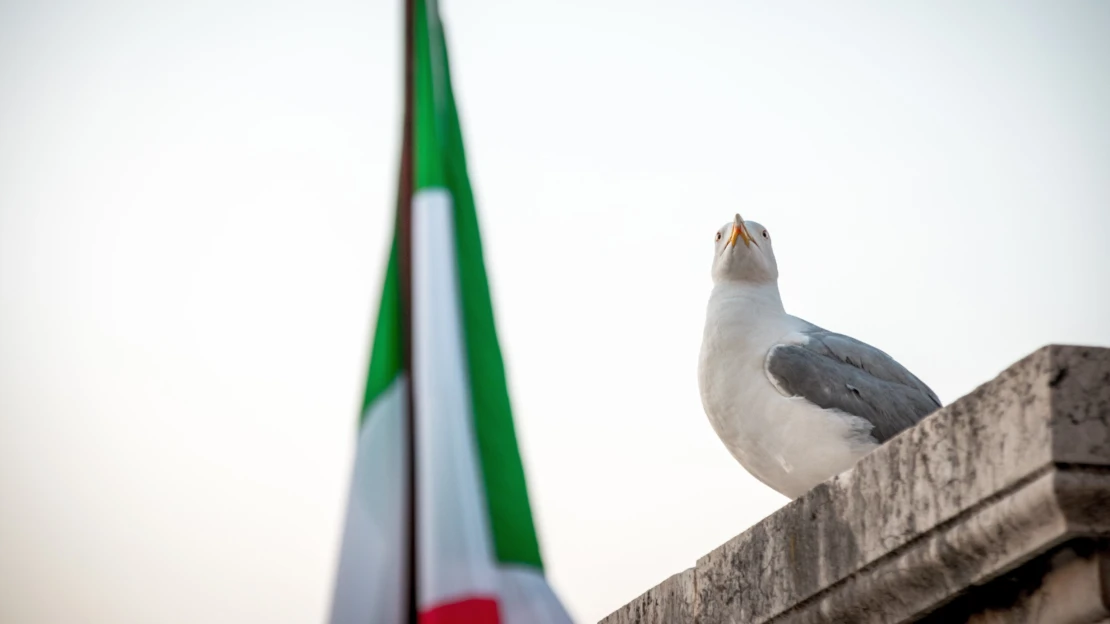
[438, 528]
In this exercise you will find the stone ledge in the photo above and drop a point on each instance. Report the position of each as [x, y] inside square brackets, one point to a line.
[1001, 478]
[670, 601]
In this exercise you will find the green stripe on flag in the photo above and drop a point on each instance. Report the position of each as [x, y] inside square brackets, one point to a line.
[385, 354]
[441, 162]
[430, 161]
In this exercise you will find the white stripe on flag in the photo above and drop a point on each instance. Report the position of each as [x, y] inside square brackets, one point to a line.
[526, 598]
[455, 554]
[370, 582]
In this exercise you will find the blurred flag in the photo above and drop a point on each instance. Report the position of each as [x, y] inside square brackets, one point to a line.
[438, 527]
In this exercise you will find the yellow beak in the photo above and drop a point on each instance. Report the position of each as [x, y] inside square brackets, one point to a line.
[739, 229]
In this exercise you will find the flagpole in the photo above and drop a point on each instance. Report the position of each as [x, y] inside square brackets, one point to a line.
[405, 190]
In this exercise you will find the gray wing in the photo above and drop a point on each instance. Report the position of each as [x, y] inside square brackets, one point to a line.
[835, 371]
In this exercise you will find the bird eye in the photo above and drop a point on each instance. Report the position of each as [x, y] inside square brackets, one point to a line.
[718, 237]
[766, 235]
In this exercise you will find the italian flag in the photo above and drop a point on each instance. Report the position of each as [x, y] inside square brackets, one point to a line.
[438, 527]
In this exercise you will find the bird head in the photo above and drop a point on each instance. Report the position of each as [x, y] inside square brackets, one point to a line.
[743, 253]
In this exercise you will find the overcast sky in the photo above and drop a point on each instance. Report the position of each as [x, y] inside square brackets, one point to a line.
[195, 203]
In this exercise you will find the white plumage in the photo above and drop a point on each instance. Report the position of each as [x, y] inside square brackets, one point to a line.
[786, 442]
[749, 391]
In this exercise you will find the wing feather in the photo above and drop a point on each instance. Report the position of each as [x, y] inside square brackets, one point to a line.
[834, 371]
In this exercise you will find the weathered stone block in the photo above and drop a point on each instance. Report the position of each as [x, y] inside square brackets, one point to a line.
[670, 601]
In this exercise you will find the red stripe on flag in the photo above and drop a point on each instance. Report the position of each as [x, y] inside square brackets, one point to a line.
[467, 611]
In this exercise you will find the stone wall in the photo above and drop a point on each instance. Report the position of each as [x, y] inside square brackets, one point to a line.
[994, 509]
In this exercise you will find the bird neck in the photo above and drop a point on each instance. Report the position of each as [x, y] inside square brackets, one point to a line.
[757, 299]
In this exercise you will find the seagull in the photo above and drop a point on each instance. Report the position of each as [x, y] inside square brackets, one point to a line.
[795, 404]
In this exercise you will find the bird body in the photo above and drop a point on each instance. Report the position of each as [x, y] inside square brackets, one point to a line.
[784, 441]
[793, 403]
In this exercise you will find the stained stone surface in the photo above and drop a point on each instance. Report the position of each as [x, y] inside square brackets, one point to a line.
[1000, 478]
[671, 601]
[1067, 585]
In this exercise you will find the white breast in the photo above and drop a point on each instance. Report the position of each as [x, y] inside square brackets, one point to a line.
[786, 442]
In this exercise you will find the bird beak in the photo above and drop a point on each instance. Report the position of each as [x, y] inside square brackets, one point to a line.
[741, 231]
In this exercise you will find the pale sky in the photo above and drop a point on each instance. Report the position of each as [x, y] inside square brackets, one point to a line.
[196, 198]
